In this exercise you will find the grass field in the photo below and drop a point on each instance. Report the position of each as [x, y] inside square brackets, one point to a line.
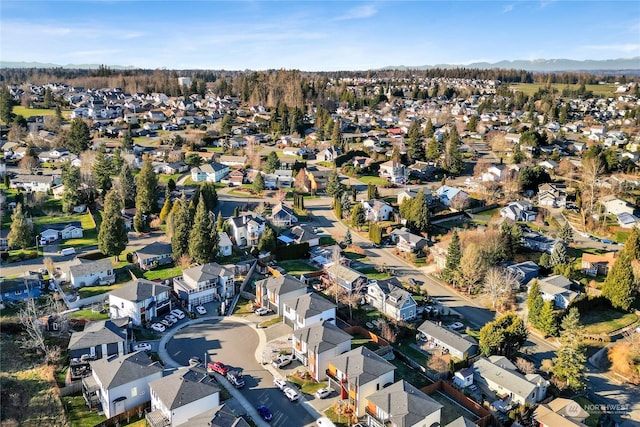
[296, 267]
[531, 88]
[375, 180]
[79, 414]
[88, 314]
[162, 273]
[90, 291]
[307, 387]
[28, 112]
[164, 179]
[606, 321]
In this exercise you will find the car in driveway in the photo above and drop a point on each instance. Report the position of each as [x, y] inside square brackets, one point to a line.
[280, 383]
[201, 310]
[264, 412]
[291, 394]
[455, 326]
[323, 392]
[218, 367]
[166, 323]
[607, 241]
[262, 311]
[195, 361]
[282, 360]
[179, 314]
[171, 318]
[144, 346]
[235, 378]
[158, 327]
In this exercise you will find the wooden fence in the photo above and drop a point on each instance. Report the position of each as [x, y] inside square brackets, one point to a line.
[73, 388]
[486, 419]
[127, 416]
[359, 330]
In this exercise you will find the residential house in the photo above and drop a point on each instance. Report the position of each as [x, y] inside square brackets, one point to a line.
[121, 383]
[626, 220]
[284, 178]
[524, 271]
[142, 300]
[154, 255]
[52, 232]
[308, 309]
[300, 234]
[34, 183]
[451, 196]
[205, 283]
[615, 206]
[156, 116]
[358, 374]
[361, 162]
[389, 297]
[209, 172]
[406, 241]
[520, 210]
[237, 177]
[272, 292]
[312, 180]
[512, 137]
[100, 338]
[282, 216]
[246, 229]
[553, 195]
[234, 161]
[598, 264]
[329, 154]
[349, 279]
[394, 171]
[4, 239]
[20, 288]
[463, 378]
[440, 252]
[421, 170]
[174, 168]
[402, 405]
[178, 397]
[538, 242]
[458, 346]
[90, 273]
[377, 210]
[549, 165]
[557, 289]
[560, 412]
[317, 344]
[500, 376]
[225, 247]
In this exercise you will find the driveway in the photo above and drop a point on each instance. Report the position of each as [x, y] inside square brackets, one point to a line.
[235, 343]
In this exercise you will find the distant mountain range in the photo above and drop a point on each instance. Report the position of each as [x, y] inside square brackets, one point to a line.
[541, 65]
[9, 64]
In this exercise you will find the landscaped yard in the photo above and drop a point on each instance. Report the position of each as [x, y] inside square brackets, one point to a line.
[270, 322]
[296, 267]
[451, 410]
[79, 414]
[338, 420]
[359, 340]
[375, 180]
[162, 273]
[374, 274]
[306, 386]
[409, 374]
[243, 308]
[164, 178]
[88, 314]
[89, 291]
[606, 321]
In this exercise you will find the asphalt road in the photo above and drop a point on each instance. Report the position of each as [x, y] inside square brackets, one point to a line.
[234, 344]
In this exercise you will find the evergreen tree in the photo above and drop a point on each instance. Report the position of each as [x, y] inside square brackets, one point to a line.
[345, 201]
[517, 154]
[78, 136]
[48, 98]
[236, 212]
[337, 207]
[181, 221]
[267, 240]
[202, 245]
[454, 256]
[372, 192]
[358, 216]
[272, 163]
[428, 129]
[416, 147]
[453, 159]
[472, 124]
[433, 150]
[558, 255]
[112, 237]
[71, 180]
[334, 186]
[21, 230]
[210, 195]
[534, 303]
[375, 233]
[116, 161]
[566, 233]
[258, 183]
[166, 207]
[147, 187]
[621, 285]
[547, 321]
[127, 141]
[6, 106]
[503, 336]
[336, 135]
[102, 170]
[421, 212]
[127, 186]
[139, 224]
[347, 238]
[219, 222]
[569, 363]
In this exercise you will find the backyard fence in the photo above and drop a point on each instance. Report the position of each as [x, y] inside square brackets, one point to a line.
[71, 389]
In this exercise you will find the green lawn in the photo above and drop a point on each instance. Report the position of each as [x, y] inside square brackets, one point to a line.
[307, 387]
[78, 413]
[606, 321]
[532, 88]
[327, 240]
[271, 322]
[296, 267]
[373, 274]
[414, 354]
[164, 179]
[329, 165]
[88, 314]
[375, 180]
[359, 341]
[164, 272]
[593, 419]
[90, 291]
[409, 374]
[243, 308]
[338, 420]
[28, 112]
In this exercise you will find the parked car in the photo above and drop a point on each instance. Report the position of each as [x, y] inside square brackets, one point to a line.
[282, 360]
[201, 310]
[291, 394]
[262, 311]
[142, 346]
[158, 327]
[323, 392]
[411, 281]
[235, 378]
[171, 318]
[195, 360]
[166, 323]
[264, 412]
[218, 367]
[176, 312]
[455, 326]
[324, 422]
[607, 241]
[280, 383]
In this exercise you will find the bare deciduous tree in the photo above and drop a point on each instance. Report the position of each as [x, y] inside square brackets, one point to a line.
[472, 267]
[592, 169]
[525, 366]
[498, 284]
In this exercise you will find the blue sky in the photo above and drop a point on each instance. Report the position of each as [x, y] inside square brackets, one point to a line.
[314, 35]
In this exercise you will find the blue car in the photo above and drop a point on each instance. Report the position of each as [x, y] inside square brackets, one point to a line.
[264, 413]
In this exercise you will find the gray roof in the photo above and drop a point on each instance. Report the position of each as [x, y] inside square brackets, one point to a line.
[139, 290]
[392, 288]
[321, 337]
[183, 387]
[206, 272]
[239, 221]
[97, 333]
[89, 267]
[309, 305]
[362, 365]
[154, 249]
[282, 285]
[557, 280]
[506, 378]
[447, 336]
[405, 404]
[116, 371]
[461, 422]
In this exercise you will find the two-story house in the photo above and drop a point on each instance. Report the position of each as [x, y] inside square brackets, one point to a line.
[458, 346]
[347, 278]
[519, 211]
[524, 271]
[358, 374]
[300, 234]
[594, 264]
[402, 405]
[377, 210]
[558, 290]
[391, 299]
[210, 172]
[246, 229]
[100, 338]
[317, 344]
[282, 216]
[553, 195]
[394, 171]
[120, 383]
[91, 273]
[154, 255]
[141, 300]
[20, 288]
[272, 292]
[225, 247]
[205, 283]
[177, 398]
[560, 412]
[452, 196]
[406, 241]
[308, 309]
[500, 376]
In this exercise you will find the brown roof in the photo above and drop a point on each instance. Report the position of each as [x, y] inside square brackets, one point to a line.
[609, 258]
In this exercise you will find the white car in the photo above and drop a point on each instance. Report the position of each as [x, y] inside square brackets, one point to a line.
[171, 318]
[323, 392]
[177, 313]
[282, 360]
[291, 394]
[142, 346]
[158, 327]
[201, 310]
[455, 326]
[262, 311]
[280, 383]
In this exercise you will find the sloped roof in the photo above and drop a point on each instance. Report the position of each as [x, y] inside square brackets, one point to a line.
[97, 333]
[183, 387]
[506, 378]
[139, 290]
[447, 336]
[309, 305]
[405, 404]
[362, 365]
[116, 371]
[321, 337]
[89, 267]
[206, 272]
[282, 285]
[154, 249]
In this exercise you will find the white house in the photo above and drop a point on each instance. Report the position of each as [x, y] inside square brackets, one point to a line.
[308, 309]
[90, 273]
[501, 377]
[614, 206]
[120, 383]
[210, 172]
[520, 210]
[53, 232]
[557, 289]
[377, 210]
[402, 404]
[463, 378]
[438, 336]
[205, 283]
[142, 300]
[391, 299]
[246, 229]
[406, 241]
[393, 171]
[316, 345]
[225, 247]
[274, 291]
[180, 396]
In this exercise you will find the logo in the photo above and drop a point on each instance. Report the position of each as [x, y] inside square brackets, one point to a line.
[573, 409]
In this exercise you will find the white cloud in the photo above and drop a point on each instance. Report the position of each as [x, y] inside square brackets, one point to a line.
[132, 35]
[507, 8]
[360, 12]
